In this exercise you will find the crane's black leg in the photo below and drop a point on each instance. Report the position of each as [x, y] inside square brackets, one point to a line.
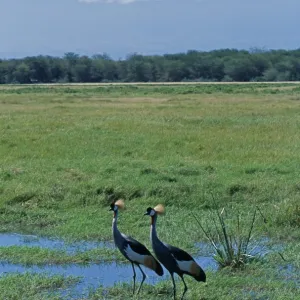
[134, 275]
[174, 286]
[144, 277]
[185, 287]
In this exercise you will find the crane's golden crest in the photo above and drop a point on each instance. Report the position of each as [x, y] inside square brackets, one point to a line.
[160, 209]
[120, 203]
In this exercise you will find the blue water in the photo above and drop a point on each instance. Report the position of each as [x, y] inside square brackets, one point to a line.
[96, 275]
[105, 274]
[260, 248]
[290, 273]
[92, 275]
[14, 239]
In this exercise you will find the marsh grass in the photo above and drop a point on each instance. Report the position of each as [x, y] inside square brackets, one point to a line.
[154, 89]
[225, 285]
[63, 162]
[33, 286]
[67, 151]
[42, 256]
[231, 243]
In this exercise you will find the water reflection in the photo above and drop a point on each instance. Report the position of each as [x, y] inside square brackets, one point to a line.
[14, 239]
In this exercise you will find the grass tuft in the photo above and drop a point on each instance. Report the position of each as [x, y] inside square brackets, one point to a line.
[289, 213]
[231, 245]
[34, 286]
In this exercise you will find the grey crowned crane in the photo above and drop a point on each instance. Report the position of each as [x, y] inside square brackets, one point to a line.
[173, 259]
[133, 250]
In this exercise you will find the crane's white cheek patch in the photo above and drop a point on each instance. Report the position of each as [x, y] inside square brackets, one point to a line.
[134, 256]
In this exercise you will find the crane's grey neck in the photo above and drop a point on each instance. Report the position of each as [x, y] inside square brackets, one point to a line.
[153, 234]
[115, 229]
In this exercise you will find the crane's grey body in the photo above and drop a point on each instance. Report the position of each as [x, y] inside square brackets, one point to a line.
[175, 260]
[162, 252]
[134, 251]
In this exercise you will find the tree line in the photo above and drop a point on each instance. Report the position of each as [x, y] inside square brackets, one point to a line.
[216, 65]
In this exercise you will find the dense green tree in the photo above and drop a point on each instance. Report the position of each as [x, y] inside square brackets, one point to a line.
[7, 68]
[22, 73]
[216, 65]
[82, 69]
[2, 71]
[138, 69]
[240, 69]
[110, 71]
[270, 75]
[70, 59]
[57, 69]
[39, 68]
[97, 70]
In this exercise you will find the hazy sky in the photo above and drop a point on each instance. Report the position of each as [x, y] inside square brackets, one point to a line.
[120, 27]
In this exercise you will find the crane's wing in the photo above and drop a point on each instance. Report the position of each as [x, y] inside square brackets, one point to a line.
[186, 263]
[137, 252]
[179, 254]
[136, 246]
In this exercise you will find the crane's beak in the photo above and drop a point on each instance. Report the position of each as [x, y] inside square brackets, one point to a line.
[146, 214]
[110, 209]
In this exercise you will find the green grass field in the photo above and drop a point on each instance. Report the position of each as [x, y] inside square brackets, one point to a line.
[68, 151]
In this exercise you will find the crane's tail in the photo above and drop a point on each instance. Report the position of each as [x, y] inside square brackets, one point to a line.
[151, 263]
[197, 272]
[159, 270]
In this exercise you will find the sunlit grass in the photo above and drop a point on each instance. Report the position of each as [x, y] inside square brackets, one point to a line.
[38, 256]
[173, 150]
[33, 287]
[66, 152]
[258, 283]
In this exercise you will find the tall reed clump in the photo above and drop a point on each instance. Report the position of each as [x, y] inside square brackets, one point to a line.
[232, 241]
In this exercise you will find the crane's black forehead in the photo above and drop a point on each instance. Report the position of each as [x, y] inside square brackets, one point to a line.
[112, 205]
[149, 209]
